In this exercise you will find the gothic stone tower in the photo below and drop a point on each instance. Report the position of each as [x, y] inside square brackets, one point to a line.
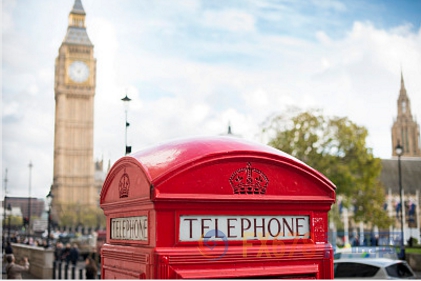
[405, 129]
[75, 70]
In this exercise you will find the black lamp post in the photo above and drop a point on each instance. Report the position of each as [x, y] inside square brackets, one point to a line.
[126, 101]
[29, 201]
[49, 201]
[399, 152]
[4, 216]
[4, 205]
[10, 215]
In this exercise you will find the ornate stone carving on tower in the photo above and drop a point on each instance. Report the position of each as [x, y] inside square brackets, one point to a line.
[405, 129]
[75, 71]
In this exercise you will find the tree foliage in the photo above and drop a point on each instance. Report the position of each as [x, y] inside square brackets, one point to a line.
[77, 214]
[336, 147]
[14, 220]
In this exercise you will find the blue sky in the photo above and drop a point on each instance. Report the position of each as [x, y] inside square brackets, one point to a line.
[191, 67]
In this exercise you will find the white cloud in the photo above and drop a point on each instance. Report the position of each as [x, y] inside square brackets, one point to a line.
[323, 38]
[230, 20]
[330, 4]
[7, 19]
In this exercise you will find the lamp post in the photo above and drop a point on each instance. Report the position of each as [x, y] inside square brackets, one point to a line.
[4, 217]
[4, 204]
[10, 215]
[126, 101]
[29, 201]
[49, 201]
[399, 152]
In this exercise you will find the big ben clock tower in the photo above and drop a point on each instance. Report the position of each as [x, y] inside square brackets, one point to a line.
[75, 70]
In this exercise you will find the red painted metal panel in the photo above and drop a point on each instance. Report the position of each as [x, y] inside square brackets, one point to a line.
[194, 208]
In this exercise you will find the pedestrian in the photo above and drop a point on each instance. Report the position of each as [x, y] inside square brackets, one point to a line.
[355, 241]
[8, 250]
[65, 256]
[3, 243]
[411, 241]
[58, 252]
[90, 268]
[74, 254]
[14, 271]
[14, 239]
[375, 240]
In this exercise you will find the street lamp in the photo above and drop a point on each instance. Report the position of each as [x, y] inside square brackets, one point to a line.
[399, 152]
[29, 201]
[49, 201]
[126, 101]
[4, 218]
[9, 207]
[4, 204]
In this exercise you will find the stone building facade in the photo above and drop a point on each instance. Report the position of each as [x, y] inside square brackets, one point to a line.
[405, 132]
[75, 81]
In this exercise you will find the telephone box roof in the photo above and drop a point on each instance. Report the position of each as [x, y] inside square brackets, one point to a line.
[163, 158]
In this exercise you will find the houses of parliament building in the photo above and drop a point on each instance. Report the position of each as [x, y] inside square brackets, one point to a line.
[405, 134]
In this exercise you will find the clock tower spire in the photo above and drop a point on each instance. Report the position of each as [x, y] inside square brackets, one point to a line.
[405, 129]
[404, 106]
[75, 80]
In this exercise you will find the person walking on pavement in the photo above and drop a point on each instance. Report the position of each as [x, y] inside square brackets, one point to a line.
[91, 269]
[8, 250]
[58, 252]
[14, 271]
[74, 254]
[65, 256]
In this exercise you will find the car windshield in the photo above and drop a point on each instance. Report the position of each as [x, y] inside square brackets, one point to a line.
[367, 252]
[399, 270]
[353, 269]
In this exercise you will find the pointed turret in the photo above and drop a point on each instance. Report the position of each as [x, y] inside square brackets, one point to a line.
[229, 128]
[403, 90]
[404, 104]
[78, 8]
[76, 31]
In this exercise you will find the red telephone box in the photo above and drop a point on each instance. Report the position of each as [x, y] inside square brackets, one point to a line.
[215, 207]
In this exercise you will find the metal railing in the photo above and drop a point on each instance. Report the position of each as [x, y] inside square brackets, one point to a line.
[63, 270]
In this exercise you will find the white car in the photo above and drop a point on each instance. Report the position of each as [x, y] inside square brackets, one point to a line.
[380, 268]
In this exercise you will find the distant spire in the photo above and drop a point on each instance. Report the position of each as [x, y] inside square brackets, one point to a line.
[402, 83]
[229, 128]
[78, 8]
[402, 92]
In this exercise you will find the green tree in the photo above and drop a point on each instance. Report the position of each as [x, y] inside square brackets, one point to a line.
[336, 147]
[14, 220]
[77, 214]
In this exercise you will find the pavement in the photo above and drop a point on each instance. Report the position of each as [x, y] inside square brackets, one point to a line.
[27, 275]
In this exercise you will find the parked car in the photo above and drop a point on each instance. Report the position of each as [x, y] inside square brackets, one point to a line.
[378, 268]
[367, 252]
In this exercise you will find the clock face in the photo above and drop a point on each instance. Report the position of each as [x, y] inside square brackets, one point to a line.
[78, 71]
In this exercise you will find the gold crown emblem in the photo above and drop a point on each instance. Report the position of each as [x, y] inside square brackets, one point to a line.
[249, 181]
[124, 185]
